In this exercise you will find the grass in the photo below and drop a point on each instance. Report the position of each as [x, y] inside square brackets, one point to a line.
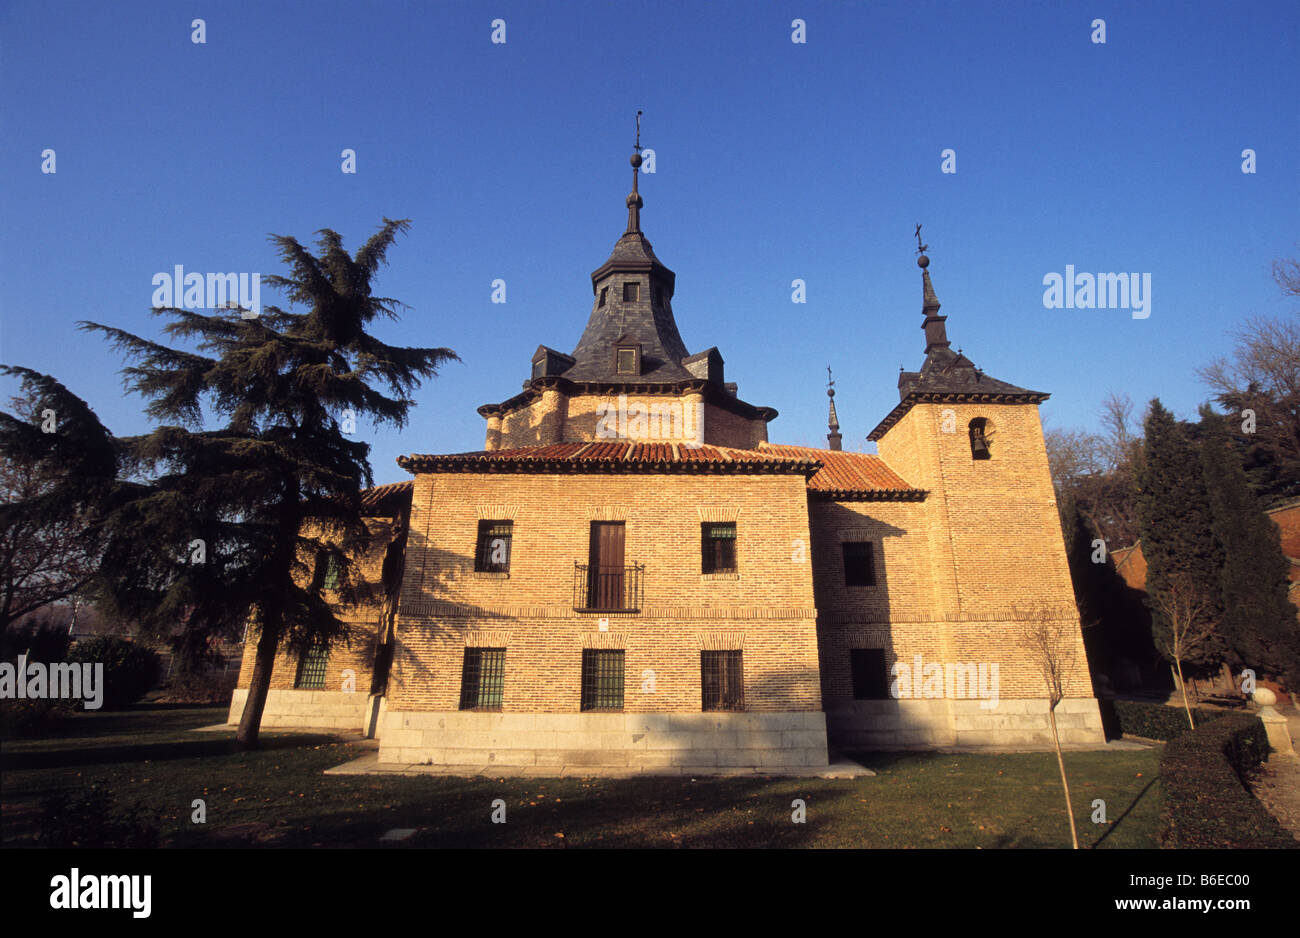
[147, 759]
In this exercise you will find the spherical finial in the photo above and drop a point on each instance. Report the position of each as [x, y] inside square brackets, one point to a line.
[830, 392]
[636, 161]
[923, 262]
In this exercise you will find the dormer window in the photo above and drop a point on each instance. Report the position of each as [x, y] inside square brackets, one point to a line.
[631, 292]
[627, 360]
[539, 367]
[604, 292]
[981, 433]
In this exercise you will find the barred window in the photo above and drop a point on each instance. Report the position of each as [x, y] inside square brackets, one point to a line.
[718, 547]
[483, 679]
[859, 564]
[602, 679]
[492, 555]
[722, 680]
[311, 667]
[870, 678]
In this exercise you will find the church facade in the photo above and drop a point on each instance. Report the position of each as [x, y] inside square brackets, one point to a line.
[629, 574]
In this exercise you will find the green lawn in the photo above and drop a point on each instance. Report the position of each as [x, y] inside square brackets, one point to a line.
[147, 759]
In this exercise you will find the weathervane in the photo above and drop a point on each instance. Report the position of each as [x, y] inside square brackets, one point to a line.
[638, 131]
[830, 382]
[920, 248]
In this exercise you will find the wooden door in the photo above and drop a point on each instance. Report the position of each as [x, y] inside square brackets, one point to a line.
[605, 586]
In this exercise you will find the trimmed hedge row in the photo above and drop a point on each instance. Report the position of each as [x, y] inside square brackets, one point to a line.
[1206, 801]
[1159, 721]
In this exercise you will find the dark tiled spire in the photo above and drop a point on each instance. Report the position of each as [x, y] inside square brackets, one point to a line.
[834, 437]
[936, 335]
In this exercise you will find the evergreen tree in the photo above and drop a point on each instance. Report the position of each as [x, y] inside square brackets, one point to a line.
[1259, 621]
[57, 466]
[1178, 542]
[238, 525]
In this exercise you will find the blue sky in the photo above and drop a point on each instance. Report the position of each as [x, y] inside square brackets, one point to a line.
[774, 161]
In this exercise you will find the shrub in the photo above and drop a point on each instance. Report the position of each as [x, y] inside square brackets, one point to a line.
[130, 670]
[1158, 721]
[1206, 801]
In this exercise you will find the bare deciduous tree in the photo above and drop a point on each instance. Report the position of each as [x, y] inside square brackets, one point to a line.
[1187, 607]
[1051, 637]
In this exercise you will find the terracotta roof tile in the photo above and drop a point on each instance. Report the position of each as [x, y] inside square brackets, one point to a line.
[614, 454]
[848, 473]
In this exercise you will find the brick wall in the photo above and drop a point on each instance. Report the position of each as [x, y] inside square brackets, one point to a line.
[766, 608]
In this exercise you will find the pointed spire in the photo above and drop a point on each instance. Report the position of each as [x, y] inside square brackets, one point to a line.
[936, 334]
[833, 423]
[634, 202]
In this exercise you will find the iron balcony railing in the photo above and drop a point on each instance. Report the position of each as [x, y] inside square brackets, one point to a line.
[608, 589]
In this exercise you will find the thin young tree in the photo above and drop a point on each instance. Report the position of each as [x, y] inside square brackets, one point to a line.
[240, 523]
[1191, 610]
[1051, 638]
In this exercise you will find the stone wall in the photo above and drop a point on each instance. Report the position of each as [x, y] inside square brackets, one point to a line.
[762, 740]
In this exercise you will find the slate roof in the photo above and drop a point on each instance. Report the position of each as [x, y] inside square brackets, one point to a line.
[945, 375]
[646, 323]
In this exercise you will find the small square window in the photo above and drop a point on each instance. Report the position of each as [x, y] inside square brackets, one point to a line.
[626, 361]
[483, 679]
[718, 547]
[859, 564]
[604, 292]
[722, 680]
[602, 679]
[492, 554]
[867, 669]
[631, 292]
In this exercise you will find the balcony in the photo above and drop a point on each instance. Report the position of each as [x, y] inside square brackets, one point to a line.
[608, 589]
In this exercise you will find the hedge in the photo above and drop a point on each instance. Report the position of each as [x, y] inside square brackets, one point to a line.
[1158, 721]
[1206, 801]
[130, 669]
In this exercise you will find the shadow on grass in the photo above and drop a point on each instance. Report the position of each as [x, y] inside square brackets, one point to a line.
[153, 752]
[1111, 828]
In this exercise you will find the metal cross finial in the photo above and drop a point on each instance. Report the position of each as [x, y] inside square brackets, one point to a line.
[920, 248]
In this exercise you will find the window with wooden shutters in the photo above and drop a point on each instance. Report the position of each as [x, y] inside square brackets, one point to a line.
[722, 680]
[483, 679]
[492, 555]
[718, 550]
[859, 564]
[870, 678]
[602, 679]
[311, 667]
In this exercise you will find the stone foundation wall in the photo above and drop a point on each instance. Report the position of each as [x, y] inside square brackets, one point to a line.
[763, 740]
[926, 724]
[316, 709]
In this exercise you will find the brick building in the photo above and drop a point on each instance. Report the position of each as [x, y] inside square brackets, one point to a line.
[630, 574]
